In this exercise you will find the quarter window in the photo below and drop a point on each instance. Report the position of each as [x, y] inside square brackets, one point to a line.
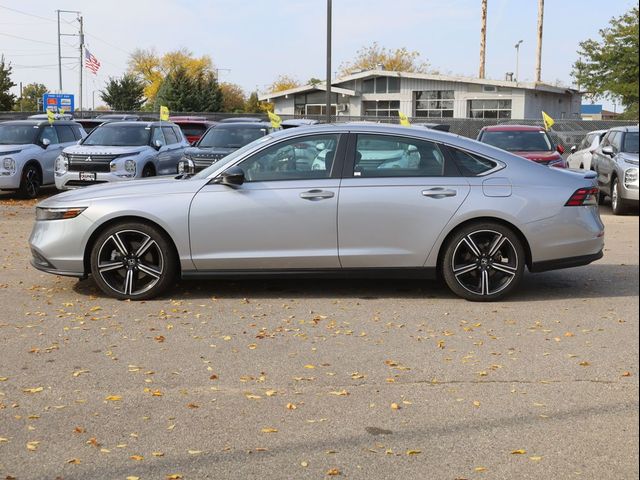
[387, 156]
[309, 157]
[471, 165]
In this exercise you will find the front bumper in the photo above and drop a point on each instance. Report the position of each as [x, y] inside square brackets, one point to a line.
[9, 182]
[72, 180]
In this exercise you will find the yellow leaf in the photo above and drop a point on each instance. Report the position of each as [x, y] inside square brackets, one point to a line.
[74, 461]
[519, 452]
[291, 406]
[339, 393]
[584, 364]
[535, 459]
[113, 398]
[251, 396]
[476, 403]
[413, 452]
[136, 457]
[174, 476]
[194, 452]
[77, 373]
[2, 439]
[310, 366]
[334, 472]
[269, 430]
[157, 454]
[33, 445]
[395, 406]
[304, 464]
[270, 393]
[131, 477]
[480, 469]
[32, 390]
[4, 379]
[95, 309]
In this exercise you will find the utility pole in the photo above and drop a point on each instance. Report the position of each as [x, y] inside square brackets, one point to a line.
[60, 35]
[81, 55]
[59, 56]
[539, 54]
[328, 106]
[483, 38]
[518, 60]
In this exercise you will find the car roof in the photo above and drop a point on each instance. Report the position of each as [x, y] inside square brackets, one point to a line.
[38, 122]
[261, 124]
[512, 128]
[135, 123]
[241, 119]
[629, 128]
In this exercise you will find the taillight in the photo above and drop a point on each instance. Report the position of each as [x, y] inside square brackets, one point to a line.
[583, 197]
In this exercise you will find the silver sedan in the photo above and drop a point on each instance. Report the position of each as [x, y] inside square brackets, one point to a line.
[379, 201]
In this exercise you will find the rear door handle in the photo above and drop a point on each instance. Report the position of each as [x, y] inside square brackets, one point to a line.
[316, 195]
[439, 192]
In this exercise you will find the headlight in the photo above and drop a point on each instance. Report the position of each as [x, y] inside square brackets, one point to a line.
[58, 213]
[130, 166]
[187, 166]
[62, 165]
[631, 177]
[9, 164]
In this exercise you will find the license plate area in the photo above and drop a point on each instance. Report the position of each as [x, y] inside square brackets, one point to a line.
[88, 176]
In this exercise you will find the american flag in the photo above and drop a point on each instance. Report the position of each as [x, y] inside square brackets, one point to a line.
[91, 62]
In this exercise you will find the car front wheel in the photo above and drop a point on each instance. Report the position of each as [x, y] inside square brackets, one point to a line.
[133, 261]
[30, 182]
[617, 203]
[483, 262]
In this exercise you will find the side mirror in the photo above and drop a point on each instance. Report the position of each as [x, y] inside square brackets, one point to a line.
[157, 144]
[45, 142]
[231, 177]
[560, 149]
[573, 149]
[608, 150]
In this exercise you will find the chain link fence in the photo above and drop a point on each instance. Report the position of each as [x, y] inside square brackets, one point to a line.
[565, 132]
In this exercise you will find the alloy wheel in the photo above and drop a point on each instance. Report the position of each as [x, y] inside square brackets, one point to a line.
[31, 183]
[615, 198]
[484, 262]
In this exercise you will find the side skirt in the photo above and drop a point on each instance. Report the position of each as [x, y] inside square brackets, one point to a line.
[424, 273]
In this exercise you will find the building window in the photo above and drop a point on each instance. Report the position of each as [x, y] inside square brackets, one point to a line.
[489, 108]
[382, 108]
[434, 103]
[319, 109]
[381, 85]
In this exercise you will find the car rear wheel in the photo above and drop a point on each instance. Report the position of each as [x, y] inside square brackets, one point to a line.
[30, 182]
[617, 203]
[483, 262]
[133, 261]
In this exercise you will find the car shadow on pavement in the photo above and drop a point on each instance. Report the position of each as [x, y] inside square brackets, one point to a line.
[593, 281]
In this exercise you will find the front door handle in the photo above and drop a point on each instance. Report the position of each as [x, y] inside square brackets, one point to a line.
[316, 195]
[439, 192]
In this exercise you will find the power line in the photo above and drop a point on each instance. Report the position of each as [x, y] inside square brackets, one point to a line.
[27, 39]
[27, 14]
[107, 43]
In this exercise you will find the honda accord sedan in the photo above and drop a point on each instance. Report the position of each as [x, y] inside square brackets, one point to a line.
[385, 201]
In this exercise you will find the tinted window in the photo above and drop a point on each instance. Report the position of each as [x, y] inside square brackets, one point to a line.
[631, 142]
[616, 141]
[50, 134]
[471, 164]
[156, 134]
[231, 137]
[518, 141]
[119, 136]
[295, 159]
[193, 129]
[17, 134]
[169, 135]
[65, 134]
[178, 133]
[387, 156]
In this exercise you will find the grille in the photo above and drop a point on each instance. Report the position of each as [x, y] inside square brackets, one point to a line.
[83, 183]
[90, 163]
[206, 160]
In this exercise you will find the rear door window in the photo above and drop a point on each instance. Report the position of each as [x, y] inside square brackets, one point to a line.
[65, 134]
[169, 135]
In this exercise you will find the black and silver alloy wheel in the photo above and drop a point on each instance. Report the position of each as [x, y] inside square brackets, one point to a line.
[132, 262]
[30, 182]
[483, 262]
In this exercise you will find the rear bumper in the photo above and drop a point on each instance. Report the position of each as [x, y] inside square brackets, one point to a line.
[565, 262]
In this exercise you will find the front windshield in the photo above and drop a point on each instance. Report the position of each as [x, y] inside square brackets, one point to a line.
[18, 134]
[518, 141]
[231, 137]
[232, 157]
[119, 136]
[631, 142]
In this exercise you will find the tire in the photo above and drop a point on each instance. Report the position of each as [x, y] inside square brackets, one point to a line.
[148, 171]
[133, 261]
[30, 182]
[618, 204]
[601, 197]
[483, 262]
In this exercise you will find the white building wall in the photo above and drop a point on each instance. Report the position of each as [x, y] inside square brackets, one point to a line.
[557, 106]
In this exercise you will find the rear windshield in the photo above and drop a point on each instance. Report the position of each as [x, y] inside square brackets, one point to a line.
[18, 134]
[518, 141]
[226, 137]
[119, 136]
[192, 129]
[631, 142]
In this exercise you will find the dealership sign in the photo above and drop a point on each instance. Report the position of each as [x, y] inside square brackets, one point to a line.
[58, 102]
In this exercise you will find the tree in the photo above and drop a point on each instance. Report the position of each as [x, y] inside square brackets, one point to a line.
[399, 60]
[253, 104]
[233, 97]
[283, 82]
[608, 67]
[7, 99]
[153, 68]
[31, 96]
[182, 93]
[126, 94]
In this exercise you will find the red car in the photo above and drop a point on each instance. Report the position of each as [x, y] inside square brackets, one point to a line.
[192, 127]
[530, 142]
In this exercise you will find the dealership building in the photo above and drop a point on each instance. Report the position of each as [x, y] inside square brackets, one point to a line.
[382, 93]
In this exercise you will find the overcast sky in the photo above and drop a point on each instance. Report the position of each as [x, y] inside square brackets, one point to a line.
[254, 41]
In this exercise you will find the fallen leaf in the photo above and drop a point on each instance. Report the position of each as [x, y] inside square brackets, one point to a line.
[269, 430]
[270, 393]
[334, 472]
[33, 445]
[131, 477]
[395, 406]
[136, 457]
[291, 406]
[74, 461]
[535, 459]
[304, 464]
[113, 398]
[33, 390]
[310, 366]
[77, 373]
[194, 452]
[157, 454]
[192, 405]
[626, 374]
[584, 364]
[413, 452]
[480, 469]
[174, 476]
[519, 452]
[476, 403]
[339, 393]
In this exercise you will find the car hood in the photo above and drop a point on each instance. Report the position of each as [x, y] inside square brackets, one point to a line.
[631, 158]
[134, 189]
[542, 157]
[6, 149]
[104, 150]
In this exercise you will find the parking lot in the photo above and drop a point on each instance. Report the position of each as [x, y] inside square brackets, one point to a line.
[319, 378]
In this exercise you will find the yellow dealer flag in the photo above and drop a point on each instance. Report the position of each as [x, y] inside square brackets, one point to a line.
[276, 121]
[548, 121]
[164, 113]
[404, 120]
[51, 116]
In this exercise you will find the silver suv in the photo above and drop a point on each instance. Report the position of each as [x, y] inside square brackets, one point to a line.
[616, 163]
[28, 150]
[119, 151]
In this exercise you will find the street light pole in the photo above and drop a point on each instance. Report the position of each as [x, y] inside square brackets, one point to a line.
[328, 106]
[518, 60]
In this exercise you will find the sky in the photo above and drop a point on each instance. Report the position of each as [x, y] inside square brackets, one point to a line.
[252, 42]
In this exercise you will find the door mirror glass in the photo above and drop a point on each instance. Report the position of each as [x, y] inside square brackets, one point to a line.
[45, 142]
[607, 150]
[232, 177]
[573, 149]
[157, 144]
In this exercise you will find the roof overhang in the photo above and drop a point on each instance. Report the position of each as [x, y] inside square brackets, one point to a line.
[267, 97]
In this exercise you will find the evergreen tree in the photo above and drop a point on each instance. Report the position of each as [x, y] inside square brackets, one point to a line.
[31, 95]
[7, 99]
[126, 94]
[253, 104]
